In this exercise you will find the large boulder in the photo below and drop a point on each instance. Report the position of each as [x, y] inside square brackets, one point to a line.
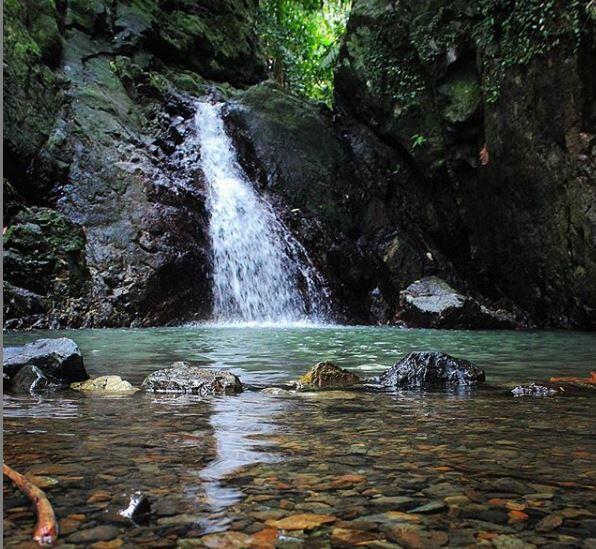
[326, 375]
[428, 368]
[432, 303]
[44, 364]
[181, 377]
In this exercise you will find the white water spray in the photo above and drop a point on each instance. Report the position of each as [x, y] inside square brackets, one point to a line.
[261, 273]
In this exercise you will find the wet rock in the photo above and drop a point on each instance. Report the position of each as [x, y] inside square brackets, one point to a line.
[44, 364]
[31, 379]
[549, 523]
[505, 541]
[431, 507]
[507, 485]
[276, 391]
[432, 303]
[534, 390]
[562, 387]
[104, 384]
[181, 377]
[97, 533]
[429, 368]
[302, 521]
[138, 509]
[326, 375]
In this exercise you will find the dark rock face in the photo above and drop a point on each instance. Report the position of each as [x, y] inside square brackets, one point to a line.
[432, 303]
[337, 188]
[105, 200]
[181, 377]
[326, 375]
[105, 212]
[437, 81]
[428, 368]
[44, 364]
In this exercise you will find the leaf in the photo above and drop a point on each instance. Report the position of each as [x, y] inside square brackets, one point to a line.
[264, 539]
[517, 516]
[590, 380]
[304, 521]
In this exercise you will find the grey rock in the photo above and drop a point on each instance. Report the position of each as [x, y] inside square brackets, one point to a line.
[181, 377]
[432, 303]
[425, 368]
[44, 364]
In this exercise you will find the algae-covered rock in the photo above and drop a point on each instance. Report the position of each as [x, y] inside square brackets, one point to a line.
[104, 385]
[326, 375]
[181, 377]
[32, 46]
[45, 268]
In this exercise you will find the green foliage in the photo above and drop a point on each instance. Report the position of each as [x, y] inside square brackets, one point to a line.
[391, 65]
[397, 55]
[512, 33]
[418, 140]
[301, 40]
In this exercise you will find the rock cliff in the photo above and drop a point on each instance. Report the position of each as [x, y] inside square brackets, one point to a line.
[462, 146]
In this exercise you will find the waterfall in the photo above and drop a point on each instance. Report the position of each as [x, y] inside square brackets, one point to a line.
[261, 273]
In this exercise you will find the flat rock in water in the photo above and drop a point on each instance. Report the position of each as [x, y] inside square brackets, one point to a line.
[44, 364]
[563, 387]
[104, 384]
[534, 390]
[181, 377]
[326, 375]
[427, 368]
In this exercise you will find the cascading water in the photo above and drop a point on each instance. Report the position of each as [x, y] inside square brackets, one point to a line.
[261, 273]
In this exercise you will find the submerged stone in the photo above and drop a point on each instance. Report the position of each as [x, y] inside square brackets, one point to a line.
[181, 377]
[326, 375]
[104, 384]
[424, 368]
[44, 364]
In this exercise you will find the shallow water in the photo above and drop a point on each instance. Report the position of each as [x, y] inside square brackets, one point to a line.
[220, 469]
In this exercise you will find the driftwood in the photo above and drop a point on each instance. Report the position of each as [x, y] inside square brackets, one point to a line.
[46, 529]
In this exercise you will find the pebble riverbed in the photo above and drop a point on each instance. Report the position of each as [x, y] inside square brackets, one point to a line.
[474, 467]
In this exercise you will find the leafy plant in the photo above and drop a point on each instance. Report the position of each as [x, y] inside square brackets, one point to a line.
[301, 40]
[418, 140]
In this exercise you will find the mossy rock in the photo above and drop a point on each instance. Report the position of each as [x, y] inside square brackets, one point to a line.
[41, 247]
[463, 96]
[326, 375]
[32, 45]
[104, 385]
